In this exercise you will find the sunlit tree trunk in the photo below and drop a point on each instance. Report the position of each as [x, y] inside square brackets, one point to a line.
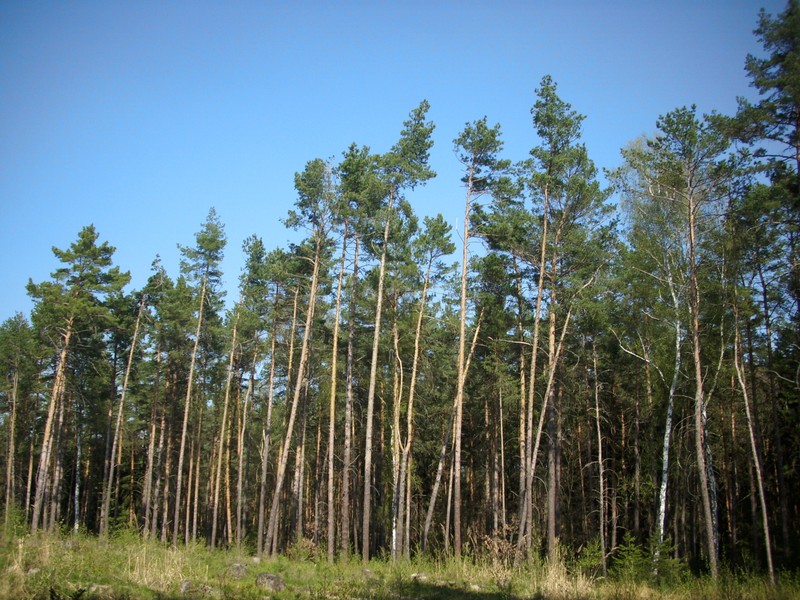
[106, 507]
[186, 412]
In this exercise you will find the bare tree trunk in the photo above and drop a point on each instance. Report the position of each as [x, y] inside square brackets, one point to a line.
[148, 503]
[332, 404]
[398, 485]
[665, 447]
[223, 426]
[348, 412]
[443, 450]
[47, 438]
[600, 465]
[12, 430]
[757, 462]
[186, 410]
[241, 452]
[459, 400]
[266, 436]
[703, 465]
[526, 509]
[298, 388]
[373, 376]
[106, 508]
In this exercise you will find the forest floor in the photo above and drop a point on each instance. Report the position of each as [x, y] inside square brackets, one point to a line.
[60, 567]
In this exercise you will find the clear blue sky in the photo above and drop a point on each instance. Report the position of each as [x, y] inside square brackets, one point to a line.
[139, 116]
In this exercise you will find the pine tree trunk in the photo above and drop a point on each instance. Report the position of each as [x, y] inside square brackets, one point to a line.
[106, 507]
[266, 436]
[600, 465]
[222, 428]
[699, 401]
[331, 505]
[186, 411]
[461, 375]
[47, 438]
[12, 432]
[373, 376]
[756, 452]
[443, 454]
[298, 388]
[348, 411]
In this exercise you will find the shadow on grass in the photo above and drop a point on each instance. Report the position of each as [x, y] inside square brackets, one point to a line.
[441, 591]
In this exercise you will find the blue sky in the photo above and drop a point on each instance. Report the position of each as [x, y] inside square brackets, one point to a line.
[139, 116]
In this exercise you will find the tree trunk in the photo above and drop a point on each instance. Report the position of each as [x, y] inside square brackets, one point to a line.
[600, 472]
[222, 428]
[330, 541]
[373, 376]
[12, 429]
[756, 453]
[703, 465]
[106, 508]
[443, 452]
[47, 438]
[298, 388]
[266, 436]
[186, 411]
[348, 412]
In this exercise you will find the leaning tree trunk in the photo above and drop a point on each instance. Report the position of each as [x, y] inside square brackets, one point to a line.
[298, 388]
[47, 438]
[106, 507]
[757, 462]
[443, 450]
[186, 406]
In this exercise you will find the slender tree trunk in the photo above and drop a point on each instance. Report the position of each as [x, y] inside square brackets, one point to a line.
[665, 446]
[757, 462]
[47, 438]
[186, 411]
[443, 451]
[373, 376]
[147, 494]
[600, 471]
[331, 543]
[12, 431]
[348, 411]
[240, 476]
[699, 401]
[526, 509]
[222, 428]
[106, 508]
[266, 436]
[298, 388]
[459, 400]
[398, 485]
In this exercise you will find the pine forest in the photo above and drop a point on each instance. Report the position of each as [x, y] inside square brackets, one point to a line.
[592, 364]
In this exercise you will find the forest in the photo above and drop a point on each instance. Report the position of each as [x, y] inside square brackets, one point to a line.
[594, 364]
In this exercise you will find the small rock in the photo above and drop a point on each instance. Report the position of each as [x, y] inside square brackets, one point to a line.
[237, 571]
[475, 587]
[270, 582]
[100, 591]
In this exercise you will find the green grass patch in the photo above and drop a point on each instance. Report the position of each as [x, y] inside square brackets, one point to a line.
[125, 566]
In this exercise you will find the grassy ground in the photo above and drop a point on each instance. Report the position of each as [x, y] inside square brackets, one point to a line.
[125, 566]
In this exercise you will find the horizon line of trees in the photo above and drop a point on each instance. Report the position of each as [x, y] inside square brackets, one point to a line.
[594, 377]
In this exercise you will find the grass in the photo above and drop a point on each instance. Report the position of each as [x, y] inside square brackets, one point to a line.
[126, 566]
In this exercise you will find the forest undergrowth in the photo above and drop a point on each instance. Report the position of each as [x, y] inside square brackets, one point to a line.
[72, 565]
